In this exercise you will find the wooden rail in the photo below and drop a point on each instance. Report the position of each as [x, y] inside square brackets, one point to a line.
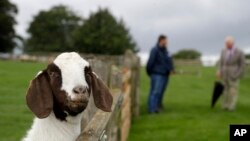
[104, 126]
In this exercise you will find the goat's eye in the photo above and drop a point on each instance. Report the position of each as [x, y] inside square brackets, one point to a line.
[87, 70]
[53, 74]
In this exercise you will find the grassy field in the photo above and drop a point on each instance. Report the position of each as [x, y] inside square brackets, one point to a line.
[187, 115]
[15, 118]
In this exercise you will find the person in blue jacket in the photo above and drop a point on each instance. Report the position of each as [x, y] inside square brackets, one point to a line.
[159, 67]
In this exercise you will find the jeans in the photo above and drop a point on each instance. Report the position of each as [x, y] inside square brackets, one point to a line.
[158, 86]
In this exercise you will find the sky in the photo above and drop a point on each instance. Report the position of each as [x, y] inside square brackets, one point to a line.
[196, 24]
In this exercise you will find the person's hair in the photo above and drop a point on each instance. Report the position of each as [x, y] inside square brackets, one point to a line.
[161, 37]
[229, 39]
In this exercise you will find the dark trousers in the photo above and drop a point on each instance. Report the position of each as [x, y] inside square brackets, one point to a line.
[158, 86]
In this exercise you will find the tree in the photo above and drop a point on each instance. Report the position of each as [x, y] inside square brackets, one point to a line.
[103, 34]
[248, 56]
[7, 21]
[187, 54]
[52, 30]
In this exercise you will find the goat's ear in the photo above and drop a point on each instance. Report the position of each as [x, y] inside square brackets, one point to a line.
[39, 97]
[102, 96]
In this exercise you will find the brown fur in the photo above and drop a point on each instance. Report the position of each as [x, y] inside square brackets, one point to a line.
[45, 94]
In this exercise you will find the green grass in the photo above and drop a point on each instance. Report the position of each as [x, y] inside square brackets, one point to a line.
[187, 114]
[15, 118]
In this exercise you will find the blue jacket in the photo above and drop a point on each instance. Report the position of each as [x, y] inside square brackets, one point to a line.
[159, 61]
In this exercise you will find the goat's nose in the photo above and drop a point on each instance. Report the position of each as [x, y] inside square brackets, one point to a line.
[79, 89]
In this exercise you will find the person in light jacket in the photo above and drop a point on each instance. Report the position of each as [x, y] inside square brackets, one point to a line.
[159, 67]
[230, 70]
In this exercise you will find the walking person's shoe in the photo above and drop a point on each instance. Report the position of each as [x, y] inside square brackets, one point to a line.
[161, 108]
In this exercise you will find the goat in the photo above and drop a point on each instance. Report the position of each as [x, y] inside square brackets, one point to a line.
[59, 95]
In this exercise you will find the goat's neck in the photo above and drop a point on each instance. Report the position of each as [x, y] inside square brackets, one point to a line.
[71, 123]
[54, 129]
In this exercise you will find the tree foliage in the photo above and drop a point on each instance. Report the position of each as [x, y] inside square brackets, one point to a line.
[52, 30]
[59, 29]
[248, 56]
[7, 21]
[187, 54]
[101, 33]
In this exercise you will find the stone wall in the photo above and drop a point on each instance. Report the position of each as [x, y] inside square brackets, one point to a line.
[188, 67]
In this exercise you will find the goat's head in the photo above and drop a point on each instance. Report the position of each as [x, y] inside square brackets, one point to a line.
[65, 87]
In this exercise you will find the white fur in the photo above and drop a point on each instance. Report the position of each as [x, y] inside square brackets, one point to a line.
[50, 128]
[39, 73]
[71, 66]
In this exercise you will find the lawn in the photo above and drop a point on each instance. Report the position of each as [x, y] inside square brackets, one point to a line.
[187, 114]
[15, 118]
